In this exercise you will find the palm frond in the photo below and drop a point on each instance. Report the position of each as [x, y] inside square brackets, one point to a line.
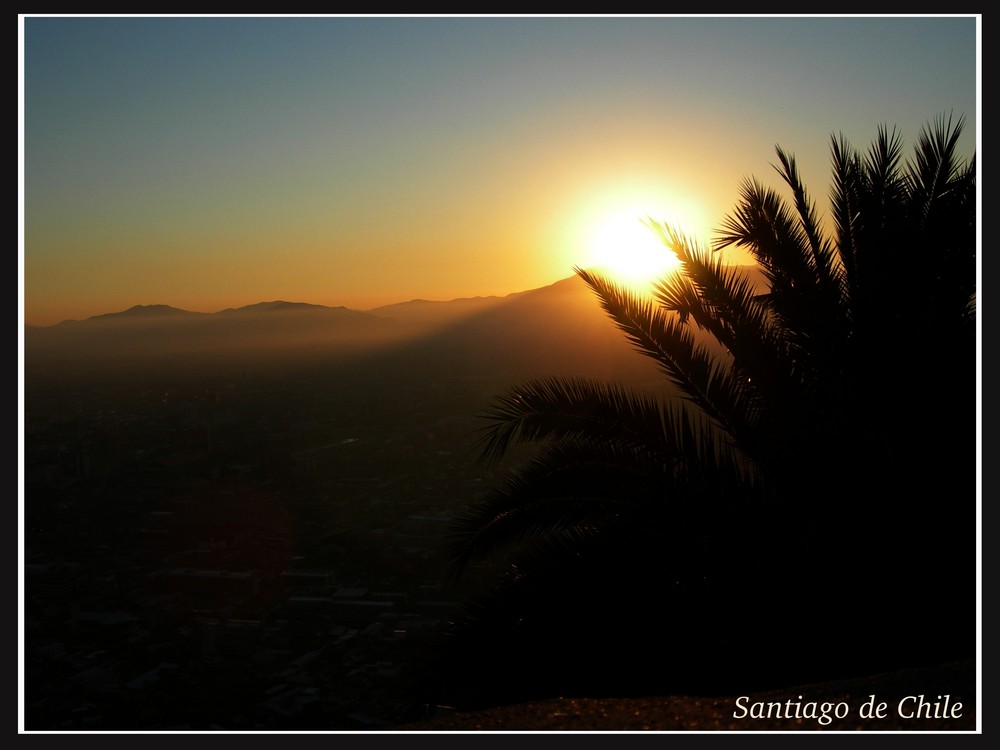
[942, 192]
[807, 300]
[867, 196]
[725, 302]
[576, 489]
[845, 199]
[763, 224]
[567, 407]
[699, 375]
[824, 262]
[934, 166]
[569, 489]
[552, 409]
[882, 165]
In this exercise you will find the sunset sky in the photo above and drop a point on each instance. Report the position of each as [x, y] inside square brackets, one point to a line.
[207, 163]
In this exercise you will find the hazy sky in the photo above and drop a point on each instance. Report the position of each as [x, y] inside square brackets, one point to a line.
[208, 163]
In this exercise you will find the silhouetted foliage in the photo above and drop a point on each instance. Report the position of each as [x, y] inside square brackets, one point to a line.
[805, 509]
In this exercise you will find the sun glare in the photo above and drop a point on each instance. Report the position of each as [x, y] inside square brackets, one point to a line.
[623, 244]
[615, 236]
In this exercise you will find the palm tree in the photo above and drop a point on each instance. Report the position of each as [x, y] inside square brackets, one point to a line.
[801, 500]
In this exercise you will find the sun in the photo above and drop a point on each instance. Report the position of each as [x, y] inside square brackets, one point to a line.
[624, 244]
[615, 233]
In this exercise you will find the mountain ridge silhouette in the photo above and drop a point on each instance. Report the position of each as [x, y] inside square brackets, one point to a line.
[557, 329]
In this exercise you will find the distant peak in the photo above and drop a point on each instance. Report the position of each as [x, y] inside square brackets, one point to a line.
[276, 306]
[145, 311]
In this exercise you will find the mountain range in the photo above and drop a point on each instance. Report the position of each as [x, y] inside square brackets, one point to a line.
[559, 329]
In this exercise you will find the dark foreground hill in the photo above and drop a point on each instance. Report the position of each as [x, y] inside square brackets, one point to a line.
[941, 698]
